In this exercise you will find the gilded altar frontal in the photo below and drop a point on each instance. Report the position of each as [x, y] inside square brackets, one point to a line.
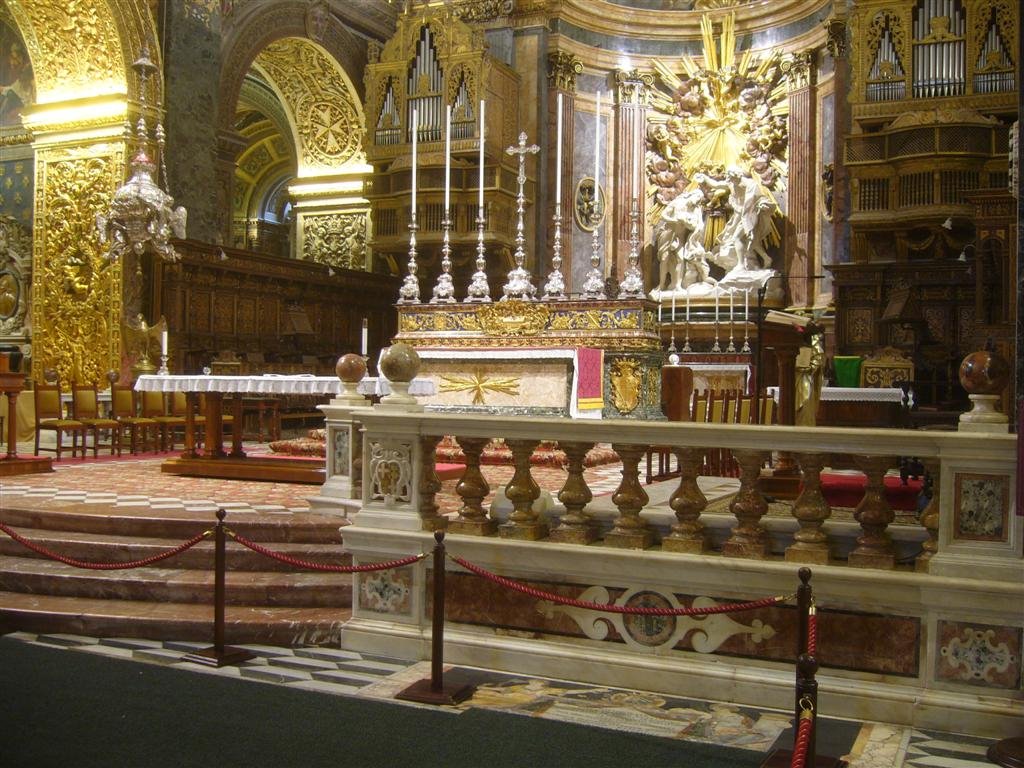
[634, 308]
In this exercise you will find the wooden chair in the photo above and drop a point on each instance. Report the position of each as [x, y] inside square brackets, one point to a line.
[50, 417]
[124, 409]
[85, 407]
[886, 367]
[154, 407]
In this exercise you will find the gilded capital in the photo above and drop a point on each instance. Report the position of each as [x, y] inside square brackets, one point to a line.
[836, 40]
[562, 70]
[798, 69]
[633, 87]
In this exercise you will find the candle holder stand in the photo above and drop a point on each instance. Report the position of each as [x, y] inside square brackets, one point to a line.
[479, 291]
[163, 370]
[444, 290]
[409, 293]
[554, 288]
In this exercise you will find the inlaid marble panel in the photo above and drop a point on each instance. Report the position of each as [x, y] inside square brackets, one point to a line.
[978, 654]
[847, 640]
[981, 506]
[386, 591]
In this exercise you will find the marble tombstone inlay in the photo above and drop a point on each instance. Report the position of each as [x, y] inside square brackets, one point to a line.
[978, 654]
[981, 507]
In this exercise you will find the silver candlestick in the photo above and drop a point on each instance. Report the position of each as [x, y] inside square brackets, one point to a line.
[716, 347]
[444, 290]
[632, 285]
[554, 288]
[593, 286]
[520, 282]
[409, 293]
[163, 369]
[686, 342]
[479, 290]
[730, 347]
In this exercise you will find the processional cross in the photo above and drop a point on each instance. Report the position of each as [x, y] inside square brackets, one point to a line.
[520, 285]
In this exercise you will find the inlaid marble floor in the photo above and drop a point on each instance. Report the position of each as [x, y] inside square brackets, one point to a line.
[347, 673]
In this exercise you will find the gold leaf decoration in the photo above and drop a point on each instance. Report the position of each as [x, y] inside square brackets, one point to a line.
[480, 383]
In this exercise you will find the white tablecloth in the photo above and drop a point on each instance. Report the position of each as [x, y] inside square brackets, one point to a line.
[854, 394]
[255, 385]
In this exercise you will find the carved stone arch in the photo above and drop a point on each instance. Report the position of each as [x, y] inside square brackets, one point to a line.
[252, 33]
[86, 47]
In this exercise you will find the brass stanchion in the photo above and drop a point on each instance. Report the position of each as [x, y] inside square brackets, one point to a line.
[433, 690]
[219, 655]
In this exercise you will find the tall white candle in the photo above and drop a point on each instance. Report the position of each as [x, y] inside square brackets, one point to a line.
[480, 201]
[597, 151]
[447, 159]
[746, 304]
[716, 306]
[730, 306]
[163, 343]
[415, 141]
[673, 307]
[365, 345]
[558, 156]
[687, 307]
[659, 307]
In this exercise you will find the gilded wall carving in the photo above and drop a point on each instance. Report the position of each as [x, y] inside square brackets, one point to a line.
[73, 45]
[337, 240]
[15, 276]
[322, 105]
[562, 70]
[76, 290]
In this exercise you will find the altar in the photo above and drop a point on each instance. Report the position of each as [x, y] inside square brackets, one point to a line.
[583, 359]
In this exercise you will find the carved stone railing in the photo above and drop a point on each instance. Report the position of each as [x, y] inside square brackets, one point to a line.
[968, 520]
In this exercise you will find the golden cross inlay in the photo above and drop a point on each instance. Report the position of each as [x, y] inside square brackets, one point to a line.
[480, 383]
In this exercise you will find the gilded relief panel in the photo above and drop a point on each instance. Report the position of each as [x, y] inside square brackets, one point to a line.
[76, 308]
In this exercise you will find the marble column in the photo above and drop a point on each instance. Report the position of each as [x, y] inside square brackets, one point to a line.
[632, 97]
[562, 70]
[838, 48]
[801, 201]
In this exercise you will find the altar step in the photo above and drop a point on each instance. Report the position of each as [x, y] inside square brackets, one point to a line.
[267, 601]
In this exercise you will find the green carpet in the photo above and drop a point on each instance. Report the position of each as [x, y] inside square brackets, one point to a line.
[70, 708]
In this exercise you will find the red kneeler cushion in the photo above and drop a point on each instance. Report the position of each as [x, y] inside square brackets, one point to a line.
[846, 490]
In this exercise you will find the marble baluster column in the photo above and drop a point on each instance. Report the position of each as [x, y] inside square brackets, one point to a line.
[473, 489]
[687, 501]
[874, 546]
[630, 530]
[562, 70]
[811, 510]
[576, 525]
[522, 490]
[430, 484]
[748, 537]
[632, 98]
[801, 201]
[930, 517]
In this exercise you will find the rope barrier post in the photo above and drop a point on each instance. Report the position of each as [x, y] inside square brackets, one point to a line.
[219, 655]
[433, 690]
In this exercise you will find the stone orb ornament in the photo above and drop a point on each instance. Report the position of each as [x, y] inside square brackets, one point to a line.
[984, 373]
[399, 366]
[351, 367]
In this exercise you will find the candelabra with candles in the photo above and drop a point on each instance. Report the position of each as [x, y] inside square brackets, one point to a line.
[554, 288]
[632, 285]
[731, 346]
[520, 285]
[479, 289]
[409, 293]
[444, 289]
[746, 324]
[593, 285]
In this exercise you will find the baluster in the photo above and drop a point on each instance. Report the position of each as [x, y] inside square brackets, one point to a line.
[576, 526]
[874, 547]
[631, 531]
[522, 490]
[687, 501]
[811, 510]
[748, 537]
[473, 488]
[930, 517]
[430, 484]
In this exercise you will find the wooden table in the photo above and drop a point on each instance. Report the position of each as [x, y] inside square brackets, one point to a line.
[213, 461]
[11, 384]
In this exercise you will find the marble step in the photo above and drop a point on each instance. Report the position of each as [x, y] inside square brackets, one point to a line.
[300, 589]
[106, 548]
[286, 626]
[299, 527]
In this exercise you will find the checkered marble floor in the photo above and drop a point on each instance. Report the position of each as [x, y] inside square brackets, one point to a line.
[11, 492]
[347, 673]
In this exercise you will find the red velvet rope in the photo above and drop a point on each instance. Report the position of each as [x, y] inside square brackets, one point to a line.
[812, 632]
[518, 586]
[803, 739]
[311, 566]
[104, 566]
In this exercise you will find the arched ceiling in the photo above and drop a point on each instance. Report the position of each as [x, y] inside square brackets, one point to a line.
[325, 117]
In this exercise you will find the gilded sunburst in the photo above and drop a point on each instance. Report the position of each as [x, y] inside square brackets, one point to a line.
[729, 110]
